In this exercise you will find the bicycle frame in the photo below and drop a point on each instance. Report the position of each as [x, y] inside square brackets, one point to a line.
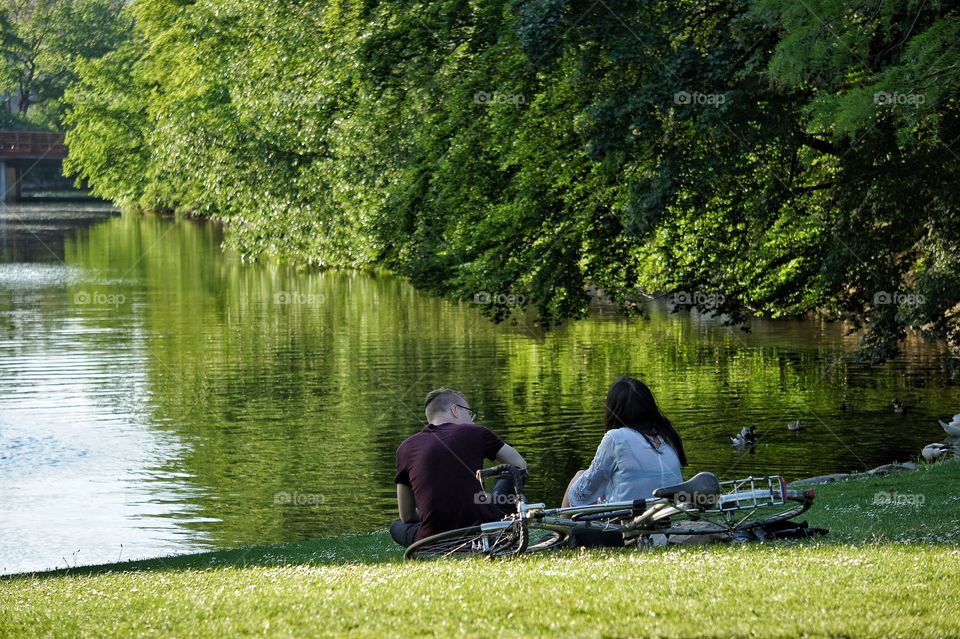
[734, 504]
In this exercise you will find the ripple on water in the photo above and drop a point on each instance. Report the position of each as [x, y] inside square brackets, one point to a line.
[26, 454]
[19, 277]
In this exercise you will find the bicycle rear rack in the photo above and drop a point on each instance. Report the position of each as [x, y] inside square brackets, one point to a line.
[739, 494]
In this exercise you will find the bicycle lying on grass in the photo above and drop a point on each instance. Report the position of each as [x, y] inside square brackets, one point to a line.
[700, 508]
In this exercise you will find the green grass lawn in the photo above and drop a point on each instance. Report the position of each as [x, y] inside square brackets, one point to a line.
[885, 569]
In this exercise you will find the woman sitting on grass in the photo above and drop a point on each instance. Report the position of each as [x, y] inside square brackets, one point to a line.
[640, 450]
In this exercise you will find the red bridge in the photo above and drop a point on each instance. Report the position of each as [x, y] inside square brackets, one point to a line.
[32, 145]
[20, 151]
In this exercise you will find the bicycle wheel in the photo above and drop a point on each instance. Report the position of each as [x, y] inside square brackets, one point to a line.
[735, 520]
[792, 507]
[463, 542]
[543, 537]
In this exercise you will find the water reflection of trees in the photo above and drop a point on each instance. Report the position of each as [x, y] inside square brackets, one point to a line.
[286, 381]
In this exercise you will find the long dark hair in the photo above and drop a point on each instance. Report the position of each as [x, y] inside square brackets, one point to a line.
[630, 403]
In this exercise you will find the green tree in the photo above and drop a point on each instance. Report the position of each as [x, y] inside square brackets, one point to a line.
[45, 40]
[762, 156]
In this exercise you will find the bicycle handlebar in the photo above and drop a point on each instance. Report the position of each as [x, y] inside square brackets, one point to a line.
[501, 470]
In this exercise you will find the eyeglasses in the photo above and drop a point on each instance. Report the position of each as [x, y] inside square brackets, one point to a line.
[472, 414]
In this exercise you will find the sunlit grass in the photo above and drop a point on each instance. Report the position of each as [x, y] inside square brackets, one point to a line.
[884, 570]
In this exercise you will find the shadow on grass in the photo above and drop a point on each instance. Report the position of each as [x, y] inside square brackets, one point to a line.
[921, 507]
[372, 548]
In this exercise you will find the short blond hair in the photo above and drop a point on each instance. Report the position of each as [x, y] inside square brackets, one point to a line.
[440, 400]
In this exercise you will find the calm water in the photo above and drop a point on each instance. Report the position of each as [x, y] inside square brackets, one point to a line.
[158, 396]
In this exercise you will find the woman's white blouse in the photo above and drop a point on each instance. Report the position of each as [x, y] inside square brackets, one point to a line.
[626, 467]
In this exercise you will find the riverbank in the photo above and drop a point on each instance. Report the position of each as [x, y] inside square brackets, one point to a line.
[889, 567]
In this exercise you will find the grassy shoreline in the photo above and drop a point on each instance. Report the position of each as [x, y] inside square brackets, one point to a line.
[889, 567]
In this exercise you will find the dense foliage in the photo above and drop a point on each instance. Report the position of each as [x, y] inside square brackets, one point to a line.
[41, 42]
[749, 156]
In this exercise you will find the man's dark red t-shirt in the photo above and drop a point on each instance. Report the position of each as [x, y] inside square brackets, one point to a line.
[440, 465]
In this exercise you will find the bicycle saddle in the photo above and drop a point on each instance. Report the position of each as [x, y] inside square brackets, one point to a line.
[701, 487]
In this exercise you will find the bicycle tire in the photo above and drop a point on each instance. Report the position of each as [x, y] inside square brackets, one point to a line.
[543, 537]
[793, 507]
[717, 523]
[470, 541]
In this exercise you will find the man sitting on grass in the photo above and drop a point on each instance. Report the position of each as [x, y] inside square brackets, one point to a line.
[437, 486]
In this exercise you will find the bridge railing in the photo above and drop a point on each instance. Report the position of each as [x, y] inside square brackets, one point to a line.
[32, 144]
